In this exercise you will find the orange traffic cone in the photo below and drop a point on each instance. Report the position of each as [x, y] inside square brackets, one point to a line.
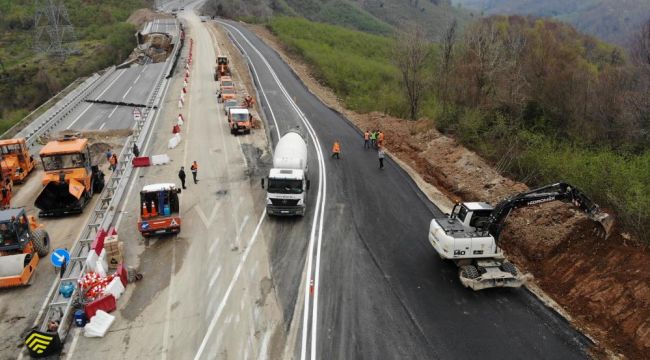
[145, 212]
[153, 209]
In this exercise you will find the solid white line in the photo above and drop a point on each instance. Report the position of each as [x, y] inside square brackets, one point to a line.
[73, 345]
[319, 211]
[79, 117]
[127, 92]
[224, 300]
[214, 245]
[112, 112]
[214, 277]
[111, 84]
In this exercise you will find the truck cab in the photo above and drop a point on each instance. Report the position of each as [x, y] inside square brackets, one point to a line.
[286, 191]
[159, 209]
[240, 120]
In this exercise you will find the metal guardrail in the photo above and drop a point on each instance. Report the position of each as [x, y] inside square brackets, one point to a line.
[60, 308]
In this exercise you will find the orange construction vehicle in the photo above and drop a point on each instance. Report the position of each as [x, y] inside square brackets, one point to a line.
[240, 120]
[22, 243]
[17, 163]
[159, 210]
[222, 68]
[70, 178]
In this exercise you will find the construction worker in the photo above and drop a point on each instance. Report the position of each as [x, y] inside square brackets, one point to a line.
[109, 154]
[373, 138]
[380, 138]
[380, 156]
[366, 139]
[181, 175]
[136, 151]
[194, 169]
[249, 101]
[5, 197]
[112, 162]
[336, 150]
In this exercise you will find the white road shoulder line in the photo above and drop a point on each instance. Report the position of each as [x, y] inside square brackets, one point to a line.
[224, 300]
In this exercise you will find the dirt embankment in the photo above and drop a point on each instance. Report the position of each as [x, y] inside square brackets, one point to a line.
[604, 285]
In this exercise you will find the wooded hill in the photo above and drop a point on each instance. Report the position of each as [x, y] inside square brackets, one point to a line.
[29, 78]
[540, 100]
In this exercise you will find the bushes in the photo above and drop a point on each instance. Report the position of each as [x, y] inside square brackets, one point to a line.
[354, 64]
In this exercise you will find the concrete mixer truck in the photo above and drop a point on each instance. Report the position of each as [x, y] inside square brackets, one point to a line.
[287, 183]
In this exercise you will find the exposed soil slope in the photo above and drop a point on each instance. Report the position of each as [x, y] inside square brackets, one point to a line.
[604, 285]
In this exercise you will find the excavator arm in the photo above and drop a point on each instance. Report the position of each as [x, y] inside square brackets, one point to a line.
[554, 192]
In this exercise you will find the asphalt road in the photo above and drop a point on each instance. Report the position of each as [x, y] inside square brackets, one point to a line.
[382, 292]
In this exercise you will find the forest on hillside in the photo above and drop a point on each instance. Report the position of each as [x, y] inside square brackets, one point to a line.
[28, 77]
[540, 100]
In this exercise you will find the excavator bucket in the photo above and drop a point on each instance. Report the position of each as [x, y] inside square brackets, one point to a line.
[605, 221]
[58, 199]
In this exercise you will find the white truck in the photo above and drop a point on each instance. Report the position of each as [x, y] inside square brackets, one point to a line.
[287, 183]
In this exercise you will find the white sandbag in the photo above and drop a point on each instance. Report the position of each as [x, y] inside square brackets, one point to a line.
[174, 141]
[161, 159]
[99, 324]
[115, 288]
[91, 261]
[101, 260]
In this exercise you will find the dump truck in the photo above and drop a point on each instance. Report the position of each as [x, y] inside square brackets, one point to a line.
[227, 94]
[23, 243]
[240, 120]
[288, 182]
[17, 162]
[222, 68]
[469, 236]
[160, 210]
[70, 178]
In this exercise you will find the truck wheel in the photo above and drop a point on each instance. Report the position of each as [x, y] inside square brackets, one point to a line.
[41, 242]
[509, 267]
[469, 271]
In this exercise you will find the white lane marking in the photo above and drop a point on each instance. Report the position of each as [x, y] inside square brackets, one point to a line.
[319, 211]
[111, 84]
[103, 124]
[138, 78]
[73, 345]
[79, 117]
[233, 281]
[127, 92]
[214, 245]
[214, 277]
[113, 112]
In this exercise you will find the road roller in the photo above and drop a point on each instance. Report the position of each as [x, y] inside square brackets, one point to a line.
[23, 242]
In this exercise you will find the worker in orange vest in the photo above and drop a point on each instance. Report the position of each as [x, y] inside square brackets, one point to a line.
[366, 139]
[249, 101]
[113, 162]
[380, 138]
[336, 150]
[194, 169]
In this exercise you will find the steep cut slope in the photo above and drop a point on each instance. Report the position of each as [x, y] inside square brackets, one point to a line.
[611, 20]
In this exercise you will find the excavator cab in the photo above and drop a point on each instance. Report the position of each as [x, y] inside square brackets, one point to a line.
[70, 179]
[17, 162]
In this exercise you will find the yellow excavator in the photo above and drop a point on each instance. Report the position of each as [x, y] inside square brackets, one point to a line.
[70, 179]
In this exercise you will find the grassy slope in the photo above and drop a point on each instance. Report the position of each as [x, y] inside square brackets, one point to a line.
[357, 67]
[29, 78]
[611, 20]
